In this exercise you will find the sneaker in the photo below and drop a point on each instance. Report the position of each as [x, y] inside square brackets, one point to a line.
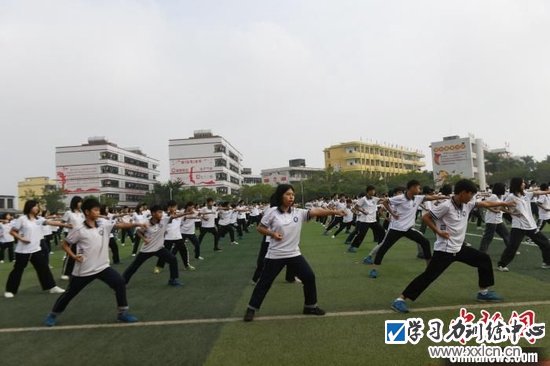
[8, 295]
[174, 282]
[252, 282]
[352, 249]
[133, 254]
[297, 280]
[503, 269]
[156, 270]
[467, 244]
[518, 253]
[332, 237]
[373, 273]
[368, 260]
[314, 311]
[400, 306]
[65, 277]
[234, 243]
[189, 268]
[490, 296]
[126, 317]
[249, 315]
[56, 290]
[50, 320]
[2, 261]
[200, 258]
[545, 266]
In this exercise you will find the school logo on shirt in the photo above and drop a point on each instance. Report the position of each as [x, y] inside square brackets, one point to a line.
[295, 219]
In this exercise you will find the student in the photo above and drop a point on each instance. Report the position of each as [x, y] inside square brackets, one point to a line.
[403, 208]
[242, 225]
[523, 224]
[368, 207]
[92, 261]
[338, 204]
[254, 215]
[173, 240]
[27, 229]
[543, 203]
[187, 228]
[126, 218]
[109, 218]
[153, 245]
[493, 220]
[449, 221]
[425, 207]
[74, 218]
[208, 225]
[283, 224]
[224, 224]
[139, 216]
[346, 220]
[6, 240]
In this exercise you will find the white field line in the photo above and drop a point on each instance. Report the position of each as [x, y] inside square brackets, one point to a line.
[271, 318]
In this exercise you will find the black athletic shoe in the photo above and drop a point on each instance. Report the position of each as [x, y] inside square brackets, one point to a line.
[249, 315]
[314, 311]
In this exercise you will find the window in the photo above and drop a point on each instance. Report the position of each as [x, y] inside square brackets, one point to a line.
[10, 202]
[219, 148]
[221, 176]
[233, 156]
[220, 162]
[108, 169]
[234, 180]
[136, 174]
[104, 155]
[234, 168]
[134, 197]
[222, 190]
[139, 186]
[113, 196]
[136, 162]
[2, 203]
[109, 183]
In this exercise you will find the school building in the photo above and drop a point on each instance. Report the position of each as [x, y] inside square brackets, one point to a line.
[33, 187]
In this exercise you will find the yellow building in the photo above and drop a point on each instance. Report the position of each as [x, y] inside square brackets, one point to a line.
[33, 187]
[376, 159]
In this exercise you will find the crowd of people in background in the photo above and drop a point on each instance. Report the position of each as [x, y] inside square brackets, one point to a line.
[89, 234]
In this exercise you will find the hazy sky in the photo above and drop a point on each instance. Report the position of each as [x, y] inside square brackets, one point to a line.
[279, 79]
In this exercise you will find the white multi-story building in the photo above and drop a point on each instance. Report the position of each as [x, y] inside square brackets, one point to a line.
[464, 156]
[295, 172]
[250, 179]
[101, 168]
[206, 161]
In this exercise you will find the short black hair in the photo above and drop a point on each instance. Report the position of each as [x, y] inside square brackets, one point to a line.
[446, 189]
[544, 187]
[189, 204]
[370, 187]
[412, 183]
[74, 202]
[499, 189]
[427, 190]
[209, 199]
[465, 185]
[171, 203]
[156, 208]
[90, 203]
[29, 205]
[515, 185]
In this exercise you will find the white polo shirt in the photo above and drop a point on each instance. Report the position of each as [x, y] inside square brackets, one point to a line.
[544, 200]
[187, 226]
[289, 224]
[370, 206]
[208, 221]
[522, 217]
[5, 236]
[93, 244]
[453, 219]
[255, 211]
[224, 217]
[405, 209]
[241, 214]
[155, 235]
[31, 230]
[349, 215]
[490, 216]
[173, 231]
[76, 219]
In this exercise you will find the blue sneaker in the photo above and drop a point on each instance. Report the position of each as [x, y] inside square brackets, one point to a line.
[368, 260]
[50, 320]
[400, 306]
[352, 249]
[373, 273]
[175, 282]
[126, 317]
[490, 296]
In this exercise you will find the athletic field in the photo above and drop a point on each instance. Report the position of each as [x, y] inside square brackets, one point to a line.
[201, 323]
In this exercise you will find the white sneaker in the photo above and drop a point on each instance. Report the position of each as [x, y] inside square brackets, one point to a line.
[190, 268]
[133, 254]
[332, 237]
[503, 269]
[297, 280]
[518, 253]
[200, 258]
[545, 266]
[65, 277]
[8, 295]
[56, 290]
[234, 243]
[1, 261]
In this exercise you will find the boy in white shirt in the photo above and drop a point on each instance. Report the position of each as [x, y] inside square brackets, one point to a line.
[92, 261]
[449, 221]
[208, 224]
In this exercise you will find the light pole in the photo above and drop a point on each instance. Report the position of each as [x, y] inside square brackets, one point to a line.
[302, 191]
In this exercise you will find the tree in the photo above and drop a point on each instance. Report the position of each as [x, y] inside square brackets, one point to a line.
[257, 193]
[53, 199]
